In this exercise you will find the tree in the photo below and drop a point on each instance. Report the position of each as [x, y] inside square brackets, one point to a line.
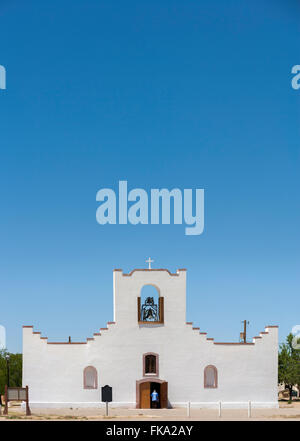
[15, 370]
[289, 365]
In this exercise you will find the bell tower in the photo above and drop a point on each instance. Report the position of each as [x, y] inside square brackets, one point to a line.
[169, 311]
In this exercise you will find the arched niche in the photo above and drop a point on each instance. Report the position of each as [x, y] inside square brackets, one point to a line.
[150, 305]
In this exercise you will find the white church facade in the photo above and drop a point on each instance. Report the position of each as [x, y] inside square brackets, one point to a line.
[150, 345]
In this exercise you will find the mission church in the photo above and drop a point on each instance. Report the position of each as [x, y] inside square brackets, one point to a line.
[150, 345]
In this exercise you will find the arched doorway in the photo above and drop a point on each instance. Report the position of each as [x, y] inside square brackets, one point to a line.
[145, 387]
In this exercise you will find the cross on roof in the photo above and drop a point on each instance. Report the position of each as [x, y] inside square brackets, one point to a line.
[149, 261]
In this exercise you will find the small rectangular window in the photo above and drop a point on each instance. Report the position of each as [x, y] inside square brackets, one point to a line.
[150, 364]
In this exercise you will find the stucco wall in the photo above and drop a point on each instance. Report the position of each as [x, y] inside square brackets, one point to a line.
[246, 372]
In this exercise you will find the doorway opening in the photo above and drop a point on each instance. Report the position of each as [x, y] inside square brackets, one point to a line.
[144, 389]
[155, 387]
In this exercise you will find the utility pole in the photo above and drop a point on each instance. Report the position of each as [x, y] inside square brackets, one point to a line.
[7, 367]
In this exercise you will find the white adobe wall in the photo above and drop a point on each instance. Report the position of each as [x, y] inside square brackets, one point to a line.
[54, 372]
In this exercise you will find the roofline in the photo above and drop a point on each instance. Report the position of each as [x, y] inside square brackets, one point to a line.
[151, 269]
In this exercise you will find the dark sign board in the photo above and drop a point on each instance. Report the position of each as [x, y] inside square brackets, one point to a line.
[106, 394]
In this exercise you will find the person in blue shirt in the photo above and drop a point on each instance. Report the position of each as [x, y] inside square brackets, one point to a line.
[154, 398]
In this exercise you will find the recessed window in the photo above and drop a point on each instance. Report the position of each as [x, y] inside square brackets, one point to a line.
[150, 364]
[90, 378]
[210, 377]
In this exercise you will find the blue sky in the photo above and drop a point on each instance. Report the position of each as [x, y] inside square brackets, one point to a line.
[183, 94]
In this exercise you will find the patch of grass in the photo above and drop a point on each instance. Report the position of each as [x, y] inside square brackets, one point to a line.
[14, 417]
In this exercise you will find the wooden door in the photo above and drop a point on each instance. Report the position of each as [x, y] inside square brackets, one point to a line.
[164, 395]
[145, 395]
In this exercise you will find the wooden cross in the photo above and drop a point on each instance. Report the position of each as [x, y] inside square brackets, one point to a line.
[149, 261]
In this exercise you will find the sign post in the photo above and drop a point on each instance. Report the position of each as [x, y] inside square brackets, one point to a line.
[106, 396]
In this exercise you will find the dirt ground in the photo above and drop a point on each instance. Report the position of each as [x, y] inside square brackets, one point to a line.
[286, 412]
